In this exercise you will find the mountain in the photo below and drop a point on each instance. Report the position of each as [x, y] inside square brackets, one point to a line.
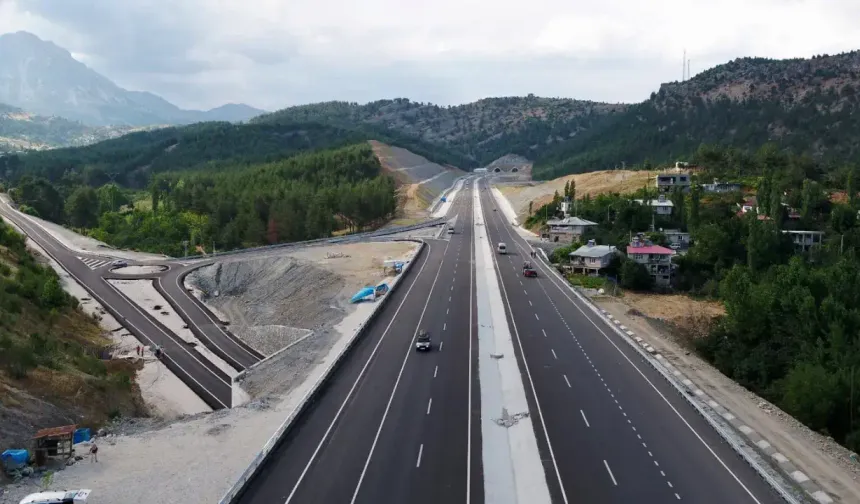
[808, 106]
[21, 131]
[41, 77]
[475, 134]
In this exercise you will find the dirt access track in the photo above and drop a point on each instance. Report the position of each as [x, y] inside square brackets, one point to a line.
[420, 181]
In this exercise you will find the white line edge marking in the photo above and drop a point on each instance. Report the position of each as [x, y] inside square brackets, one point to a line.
[131, 303]
[528, 373]
[206, 314]
[605, 463]
[397, 381]
[584, 419]
[469, 408]
[554, 281]
[138, 310]
[358, 379]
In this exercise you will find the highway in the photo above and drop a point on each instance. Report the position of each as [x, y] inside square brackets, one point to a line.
[206, 379]
[615, 430]
[395, 425]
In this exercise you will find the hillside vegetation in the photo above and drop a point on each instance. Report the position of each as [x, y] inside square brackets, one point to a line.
[297, 198]
[808, 106]
[51, 372]
[473, 134]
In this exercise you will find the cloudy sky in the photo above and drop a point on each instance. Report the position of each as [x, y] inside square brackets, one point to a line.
[275, 53]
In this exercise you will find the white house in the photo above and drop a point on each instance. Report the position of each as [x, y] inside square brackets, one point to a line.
[666, 182]
[805, 240]
[591, 258]
[567, 230]
[661, 205]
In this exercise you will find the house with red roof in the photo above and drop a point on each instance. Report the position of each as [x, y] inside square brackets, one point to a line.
[656, 259]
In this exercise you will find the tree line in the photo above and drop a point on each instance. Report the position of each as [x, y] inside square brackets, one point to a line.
[299, 198]
[791, 332]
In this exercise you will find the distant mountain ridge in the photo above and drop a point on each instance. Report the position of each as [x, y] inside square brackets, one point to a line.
[23, 131]
[43, 78]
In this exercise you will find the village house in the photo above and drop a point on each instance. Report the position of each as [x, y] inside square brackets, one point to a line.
[656, 259]
[721, 187]
[590, 258]
[567, 230]
[749, 204]
[677, 238]
[667, 182]
[661, 205]
[805, 240]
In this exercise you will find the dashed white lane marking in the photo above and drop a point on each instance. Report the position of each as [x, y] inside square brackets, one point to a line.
[567, 381]
[584, 419]
[440, 345]
[537, 316]
[554, 356]
[429, 403]
[620, 408]
[435, 371]
[445, 326]
[530, 302]
[544, 333]
[605, 463]
[420, 452]
[447, 311]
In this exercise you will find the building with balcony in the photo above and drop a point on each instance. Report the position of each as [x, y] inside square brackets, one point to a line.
[667, 182]
[805, 240]
[590, 258]
[567, 230]
[661, 205]
[656, 259]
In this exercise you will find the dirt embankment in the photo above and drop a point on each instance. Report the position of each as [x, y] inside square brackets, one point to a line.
[420, 181]
[592, 183]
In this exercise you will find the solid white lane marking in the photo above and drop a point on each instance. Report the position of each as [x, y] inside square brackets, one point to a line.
[429, 403]
[605, 463]
[364, 369]
[584, 419]
[420, 452]
[566, 381]
[435, 371]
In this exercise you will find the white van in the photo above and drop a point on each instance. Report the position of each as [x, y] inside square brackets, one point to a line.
[61, 497]
[502, 248]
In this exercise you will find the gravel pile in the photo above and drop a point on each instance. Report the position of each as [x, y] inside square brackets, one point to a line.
[274, 301]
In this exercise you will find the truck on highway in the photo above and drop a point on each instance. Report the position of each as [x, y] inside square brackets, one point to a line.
[528, 270]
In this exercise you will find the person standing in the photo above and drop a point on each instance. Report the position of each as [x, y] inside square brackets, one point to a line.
[94, 453]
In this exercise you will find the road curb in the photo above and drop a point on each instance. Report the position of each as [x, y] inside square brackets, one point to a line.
[747, 443]
[236, 490]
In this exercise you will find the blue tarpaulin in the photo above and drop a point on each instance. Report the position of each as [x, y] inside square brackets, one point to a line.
[13, 459]
[81, 435]
[363, 294]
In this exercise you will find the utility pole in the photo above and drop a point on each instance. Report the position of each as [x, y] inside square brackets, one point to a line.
[684, 67]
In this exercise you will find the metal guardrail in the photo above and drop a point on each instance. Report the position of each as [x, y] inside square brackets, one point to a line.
[248, 474]
[340, 239]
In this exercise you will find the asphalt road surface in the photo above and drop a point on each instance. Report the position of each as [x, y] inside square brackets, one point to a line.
[616, 432]
[395, 425]
[209, 382]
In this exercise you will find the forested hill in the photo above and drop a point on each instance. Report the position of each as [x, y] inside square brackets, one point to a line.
[469, 135]
[302, 197]
[809, 106]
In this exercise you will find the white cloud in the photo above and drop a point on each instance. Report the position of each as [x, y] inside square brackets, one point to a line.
[272, 53]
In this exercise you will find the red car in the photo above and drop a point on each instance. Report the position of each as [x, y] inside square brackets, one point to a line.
[528, 271]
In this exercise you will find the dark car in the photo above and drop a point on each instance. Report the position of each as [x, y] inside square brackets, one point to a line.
[422, 343]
